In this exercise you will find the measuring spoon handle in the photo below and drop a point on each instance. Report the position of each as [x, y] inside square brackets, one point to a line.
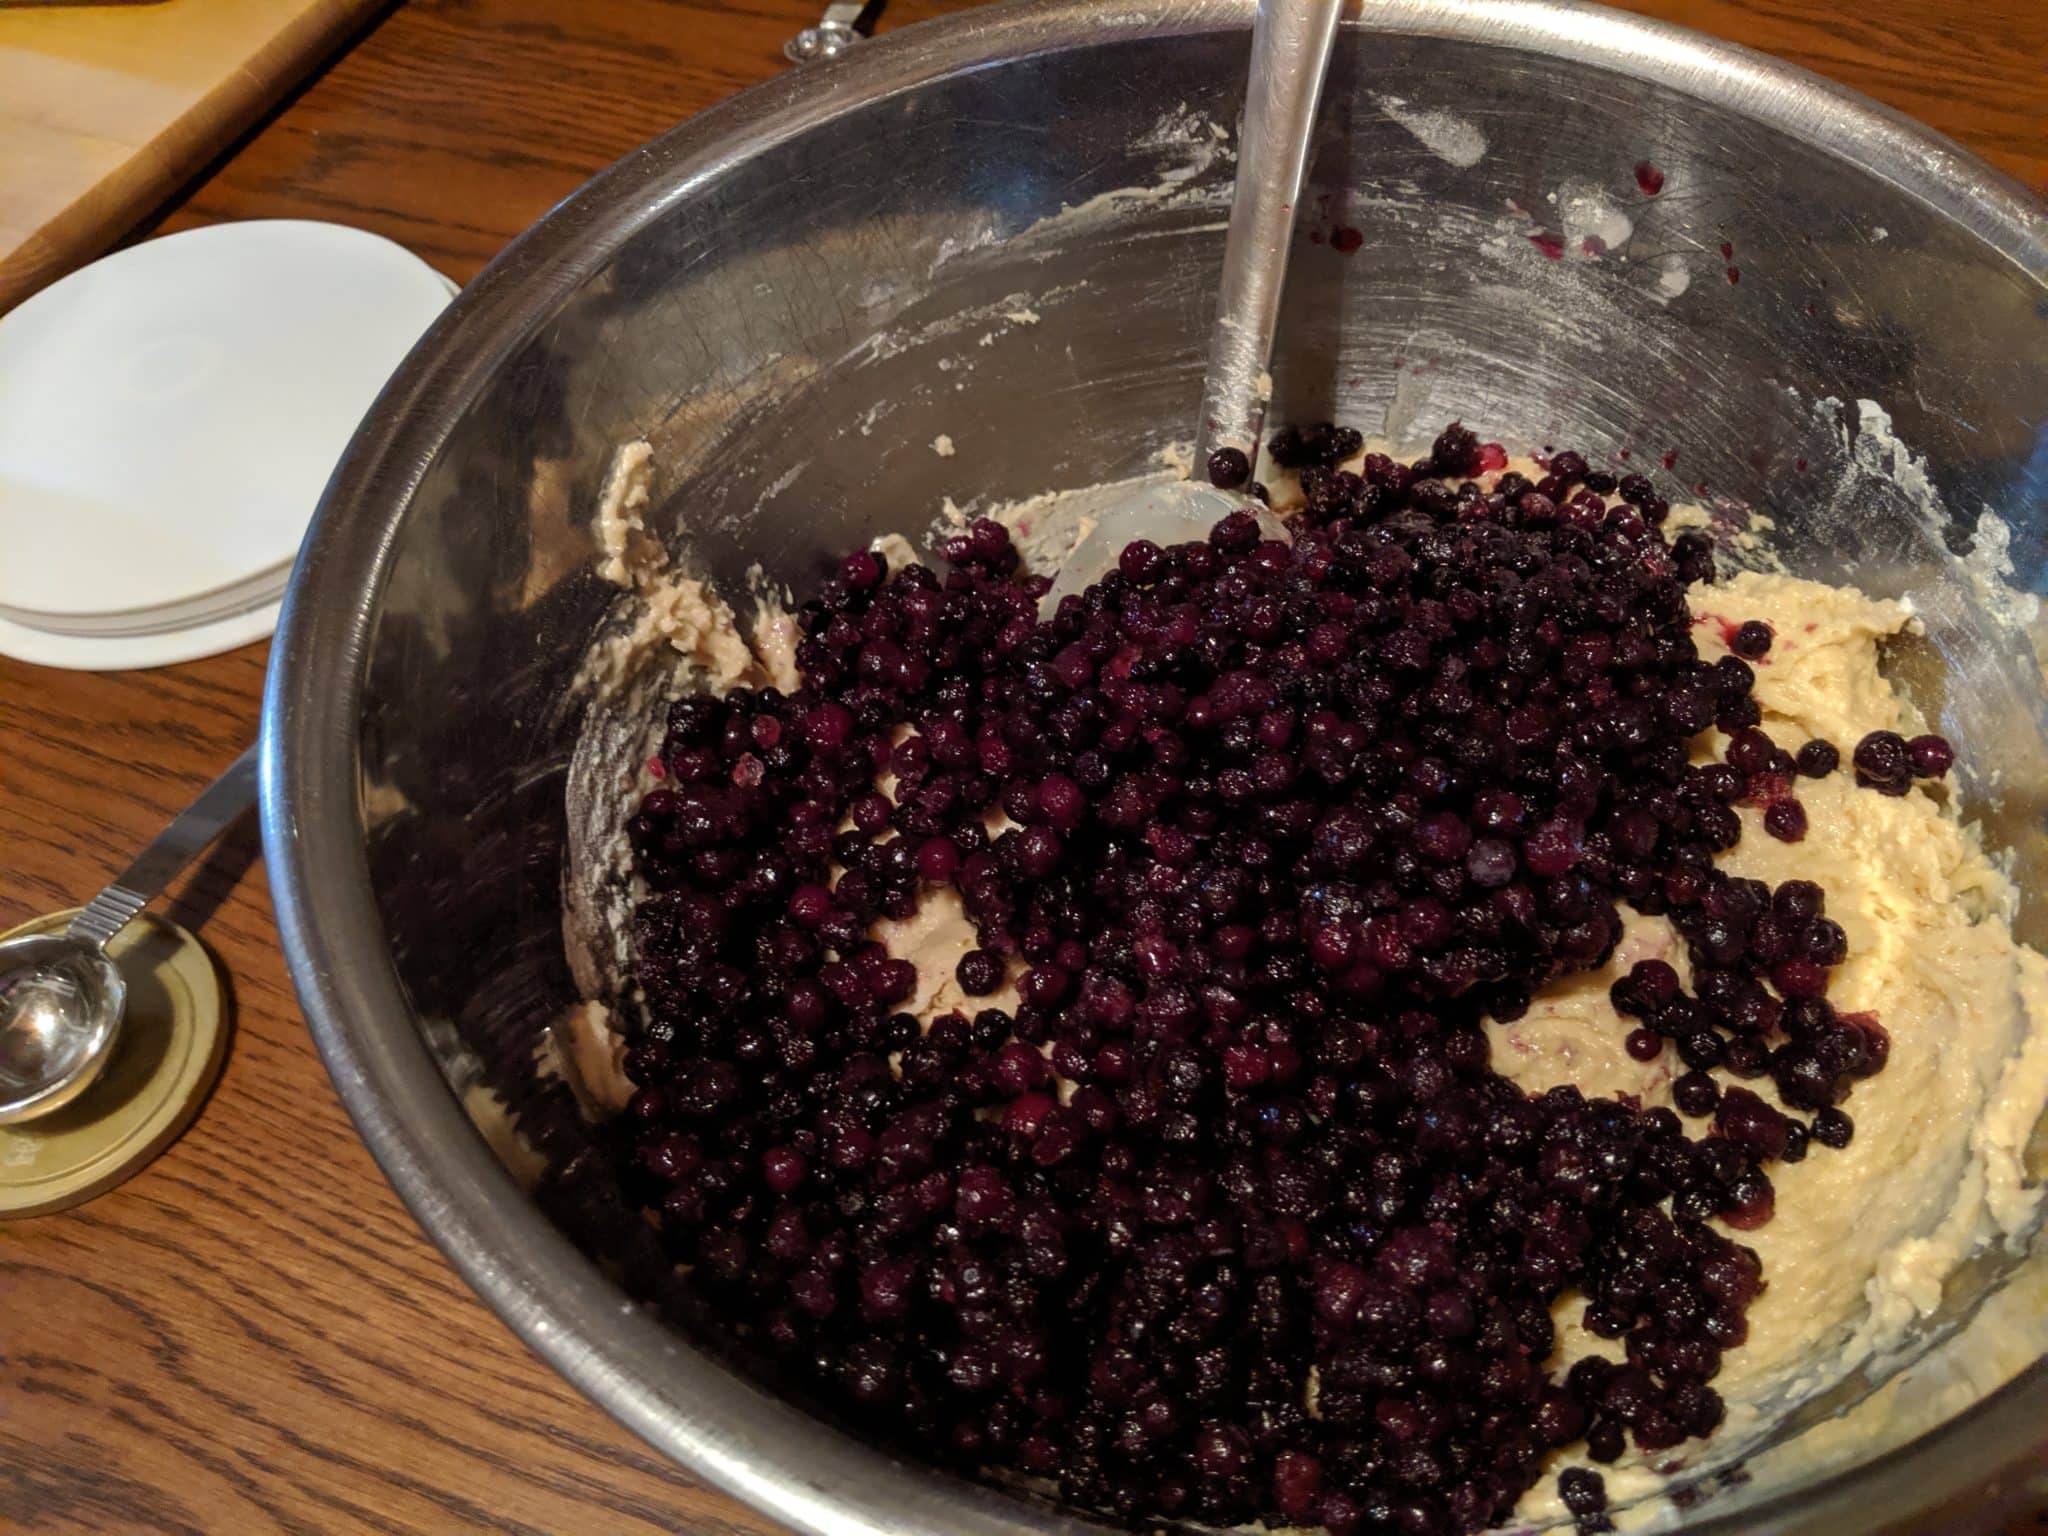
[225, 799]
[1291, 42]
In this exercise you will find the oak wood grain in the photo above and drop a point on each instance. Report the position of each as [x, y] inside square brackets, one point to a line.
[105, 110]
[252, 1335]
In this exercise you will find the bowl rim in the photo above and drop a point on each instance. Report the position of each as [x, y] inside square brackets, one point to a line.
[732, 1433]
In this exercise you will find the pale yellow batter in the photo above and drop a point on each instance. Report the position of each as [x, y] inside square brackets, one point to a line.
[1863, 1237]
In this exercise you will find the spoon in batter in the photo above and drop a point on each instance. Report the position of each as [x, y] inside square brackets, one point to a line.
[61, 998]
[1291, 42]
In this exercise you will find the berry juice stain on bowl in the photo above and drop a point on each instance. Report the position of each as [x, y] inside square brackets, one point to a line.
[1316, 1032]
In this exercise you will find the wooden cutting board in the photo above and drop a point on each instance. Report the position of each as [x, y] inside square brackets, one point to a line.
[105, 109]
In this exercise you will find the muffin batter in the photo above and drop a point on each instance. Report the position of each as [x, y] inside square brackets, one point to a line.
[1863, 1236]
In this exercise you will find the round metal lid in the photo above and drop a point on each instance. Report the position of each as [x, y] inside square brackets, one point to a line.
[169, 1053]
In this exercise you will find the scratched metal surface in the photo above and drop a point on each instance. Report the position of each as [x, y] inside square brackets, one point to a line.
[1004, 228]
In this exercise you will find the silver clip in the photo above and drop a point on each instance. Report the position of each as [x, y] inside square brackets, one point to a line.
[844, 23]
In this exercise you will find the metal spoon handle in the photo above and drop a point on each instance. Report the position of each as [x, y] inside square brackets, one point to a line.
[1291, 42]
[226, 798]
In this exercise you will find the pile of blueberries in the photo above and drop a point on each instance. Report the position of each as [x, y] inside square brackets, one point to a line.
[1225, 1213]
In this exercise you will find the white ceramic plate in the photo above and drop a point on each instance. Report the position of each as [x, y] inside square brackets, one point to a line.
[120, 653]
[168, 418]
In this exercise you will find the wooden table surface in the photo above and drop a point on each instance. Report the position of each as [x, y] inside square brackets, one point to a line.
[252, 1335]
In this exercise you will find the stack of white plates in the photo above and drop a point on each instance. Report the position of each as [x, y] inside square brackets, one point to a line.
[168, 419]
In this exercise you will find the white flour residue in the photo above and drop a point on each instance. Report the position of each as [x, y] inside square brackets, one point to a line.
[1990, 569]
[781, 483]
[1592, 224]
[1009, 312]
[1876, 452]
[1673, 278]
[1171, 188]
[1877, 477]
[953, 247]
[942, 445]
[947, 334]
[1449, 137]
[1180, 126]
[1181, 130]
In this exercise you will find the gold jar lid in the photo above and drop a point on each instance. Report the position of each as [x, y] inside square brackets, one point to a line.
[173, 1039]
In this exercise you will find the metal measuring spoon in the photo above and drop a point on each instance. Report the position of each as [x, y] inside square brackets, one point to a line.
[1291, 42]
[61, 998]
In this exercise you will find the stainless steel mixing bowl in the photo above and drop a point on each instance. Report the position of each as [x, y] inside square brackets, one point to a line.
[1003, 228]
